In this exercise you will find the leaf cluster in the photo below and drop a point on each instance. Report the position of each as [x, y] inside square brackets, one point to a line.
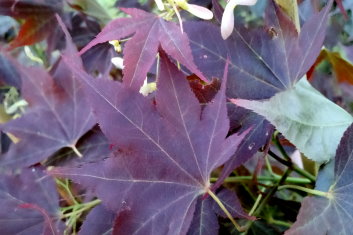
[173, 130]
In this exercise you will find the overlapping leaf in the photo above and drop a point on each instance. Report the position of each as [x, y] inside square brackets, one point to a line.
[29, 204]
[263, 61]
[342, 68]
[149, 32]
[164, 156]
[259, 136]
[93, 146]
[305, 117]
[58, 115]
[205, 219]
[332, 215]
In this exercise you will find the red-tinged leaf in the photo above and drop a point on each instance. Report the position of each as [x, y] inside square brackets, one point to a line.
[99, 221]
[58, 115]
[332, 215]
[34, 30]
[149, 32]
[342, 68]
[39, 19]
[165, 152]
[204, 92]
[29, 204]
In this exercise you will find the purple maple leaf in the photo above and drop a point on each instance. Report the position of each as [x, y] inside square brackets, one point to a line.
[165, 151]
[29, 204]
[58, 115]
[149, 32]
[316, 212]
[263, 61]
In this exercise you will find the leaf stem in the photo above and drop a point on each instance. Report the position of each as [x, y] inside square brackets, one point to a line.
[269, 195]
[73, 147]
[82, 208]
[280, 147]
[280, 223]
[257, 202]
[224, 209]
[293, 167]
[307, 190]
[66, 187]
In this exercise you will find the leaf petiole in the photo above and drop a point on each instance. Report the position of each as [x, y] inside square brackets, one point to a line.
[293, 167]
[225, 210]
[82, 208]
[256, 204]
[73, 147]
[307, 190]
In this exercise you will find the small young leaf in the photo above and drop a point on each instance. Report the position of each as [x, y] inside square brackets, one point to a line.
[305, 117]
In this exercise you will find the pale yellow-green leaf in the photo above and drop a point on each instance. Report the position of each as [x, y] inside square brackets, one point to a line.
[290, 7]
[305, 117]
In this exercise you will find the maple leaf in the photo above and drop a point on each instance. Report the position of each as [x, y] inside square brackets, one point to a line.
[29, 204]
[317, 213]
[149, 32]
[262, 61]
[304, 116]
[39, 19]
[58, 115]
[165, 152]
[252, 142]
[259, 136]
